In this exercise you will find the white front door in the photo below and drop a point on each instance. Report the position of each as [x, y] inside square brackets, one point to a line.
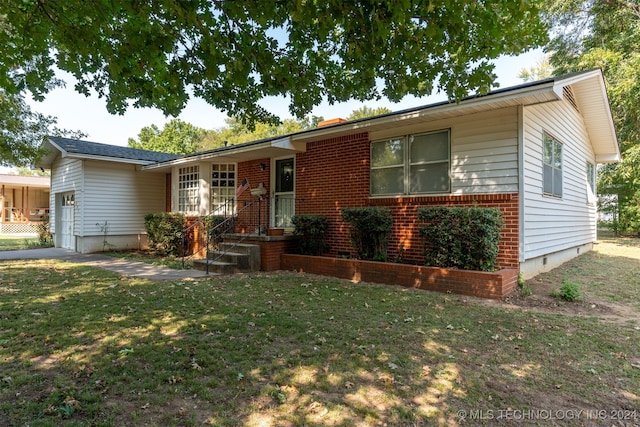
[284, 196]
[67, 210]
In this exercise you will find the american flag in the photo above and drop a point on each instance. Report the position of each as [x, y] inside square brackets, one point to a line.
[242, 187]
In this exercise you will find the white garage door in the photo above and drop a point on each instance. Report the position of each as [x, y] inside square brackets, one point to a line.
[67, 240]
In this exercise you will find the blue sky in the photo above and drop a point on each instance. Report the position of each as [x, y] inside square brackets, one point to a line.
[77, 112]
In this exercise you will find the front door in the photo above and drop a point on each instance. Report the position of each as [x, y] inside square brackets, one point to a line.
[284, 200]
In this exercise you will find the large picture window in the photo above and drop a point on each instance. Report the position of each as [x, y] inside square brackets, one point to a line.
[552, 166]
[412, 164]
[223, 189]
[189, 189]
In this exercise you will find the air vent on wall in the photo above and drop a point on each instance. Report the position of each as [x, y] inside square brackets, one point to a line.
[568, 95]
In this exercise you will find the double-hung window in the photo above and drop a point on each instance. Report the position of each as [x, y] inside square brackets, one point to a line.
[552, 166]
[411, 164]
[223, 189]
[189, 189]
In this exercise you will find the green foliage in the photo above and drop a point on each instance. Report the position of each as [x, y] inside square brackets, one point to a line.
[233, 54]
[525, 290]
[22, 131]
[569, 291]
[461, 237]
[364, 112]
[44, 232]
[370, 229]
[164, 231]
[177, 137]
[608, 38]
[312, 230]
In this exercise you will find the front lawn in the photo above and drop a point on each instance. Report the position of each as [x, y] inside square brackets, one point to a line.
[82, 346]
[10, 243]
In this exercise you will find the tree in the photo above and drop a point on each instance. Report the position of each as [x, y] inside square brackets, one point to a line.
[176, 137]
[365, 111]
[235, 53]
[539, 71]
[22, 131]
[606, 34]
[237, 132]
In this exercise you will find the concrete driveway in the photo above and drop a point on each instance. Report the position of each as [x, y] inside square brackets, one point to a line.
[117, 265]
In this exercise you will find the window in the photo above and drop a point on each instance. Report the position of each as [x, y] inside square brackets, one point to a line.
[188, 189]
[552, 166]
[223, 189]
[412, 164]
[591, 177]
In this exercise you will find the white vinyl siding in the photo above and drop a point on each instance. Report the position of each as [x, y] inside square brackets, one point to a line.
[120, 195]
[552, 224]
[66, 176]
[484, 150]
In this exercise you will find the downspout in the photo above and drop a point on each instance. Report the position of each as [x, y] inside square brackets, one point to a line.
[521, 186]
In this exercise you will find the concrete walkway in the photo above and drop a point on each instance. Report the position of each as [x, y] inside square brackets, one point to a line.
[117, 265]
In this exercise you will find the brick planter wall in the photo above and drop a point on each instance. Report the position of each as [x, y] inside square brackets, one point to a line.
[494, 285]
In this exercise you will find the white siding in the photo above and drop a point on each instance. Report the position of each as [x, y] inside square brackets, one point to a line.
[484, 150]
[554, 224]
[66, 175]
[121, 195]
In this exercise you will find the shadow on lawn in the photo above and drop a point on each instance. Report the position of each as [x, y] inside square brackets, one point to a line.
[82, 345]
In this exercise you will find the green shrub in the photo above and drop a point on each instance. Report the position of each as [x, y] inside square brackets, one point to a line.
[569, 291]
[467, 238]
[44, 232]
[312, 230]
[164, 232]
[370, 229]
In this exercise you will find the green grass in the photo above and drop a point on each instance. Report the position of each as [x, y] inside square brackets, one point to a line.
[10, 243]
[82, 346]
[148, 257]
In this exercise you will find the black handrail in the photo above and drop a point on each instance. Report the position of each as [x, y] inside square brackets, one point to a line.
[213, 235]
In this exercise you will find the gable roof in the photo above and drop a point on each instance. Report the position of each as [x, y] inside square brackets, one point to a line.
[78, 149]
[588, 87]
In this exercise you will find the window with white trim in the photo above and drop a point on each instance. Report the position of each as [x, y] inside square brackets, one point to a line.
[551, 165]
[189, 189]
[591, 177]
[223, 189]
[411, 164]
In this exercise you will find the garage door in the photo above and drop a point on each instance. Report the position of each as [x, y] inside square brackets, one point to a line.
[67, 238]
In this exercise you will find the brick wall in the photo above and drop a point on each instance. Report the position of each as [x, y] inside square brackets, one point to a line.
[495, 285]
[334, 173]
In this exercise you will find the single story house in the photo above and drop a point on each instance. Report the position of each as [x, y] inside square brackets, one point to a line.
[24, 203]
[530, 150]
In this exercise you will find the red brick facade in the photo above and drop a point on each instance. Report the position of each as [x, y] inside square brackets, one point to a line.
[334, 173]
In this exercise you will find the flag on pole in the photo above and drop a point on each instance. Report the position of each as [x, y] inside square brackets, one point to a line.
[242, 187]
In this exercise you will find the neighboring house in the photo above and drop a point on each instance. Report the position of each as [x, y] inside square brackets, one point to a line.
[530, 150]
[99, 196]
[24, 203]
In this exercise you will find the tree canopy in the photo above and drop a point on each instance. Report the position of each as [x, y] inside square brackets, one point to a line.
[234, 54]
[22, 131]
[176, 137]
[606, 34]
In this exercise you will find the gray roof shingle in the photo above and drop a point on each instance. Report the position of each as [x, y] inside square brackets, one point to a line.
[76, 146]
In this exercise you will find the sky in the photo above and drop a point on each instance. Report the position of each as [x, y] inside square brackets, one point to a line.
[74, 111]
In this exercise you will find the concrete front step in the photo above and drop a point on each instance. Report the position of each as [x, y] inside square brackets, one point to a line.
[216, 267]
[231, 258]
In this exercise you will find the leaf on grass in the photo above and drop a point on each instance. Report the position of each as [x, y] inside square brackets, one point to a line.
[348, 385]
[125, 351]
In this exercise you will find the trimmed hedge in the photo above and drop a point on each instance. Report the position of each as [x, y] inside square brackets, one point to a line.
[370, 228]
[461, 237]
[312, 230]
[164, 231]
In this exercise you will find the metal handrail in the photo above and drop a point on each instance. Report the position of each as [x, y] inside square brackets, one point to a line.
[213, 234]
